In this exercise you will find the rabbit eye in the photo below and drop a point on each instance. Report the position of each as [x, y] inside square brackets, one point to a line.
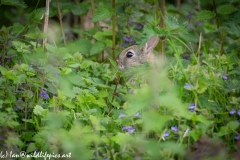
[129, 54]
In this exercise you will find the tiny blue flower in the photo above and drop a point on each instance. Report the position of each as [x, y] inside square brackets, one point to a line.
[130, 40]
[174, 128]
[139, 26]
[124, 44]
[130, 129]
[190, 15]
[31, 66]
[225, 77]
[190, 26]
[166, 134]
[121, 115]
[44, 95]
[187, 86]
[138, 115]
[15, 108]
[9, 60]
[233, 111]
[192, 107]
[237, 137]
[238, 112]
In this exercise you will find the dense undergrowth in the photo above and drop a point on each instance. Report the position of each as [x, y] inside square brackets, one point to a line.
[69, 100]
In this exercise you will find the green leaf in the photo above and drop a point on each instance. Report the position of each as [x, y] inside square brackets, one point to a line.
[38, 110]
[17, 28]
[68, 104]
[82, 46]
[3, 70]
[102, 13]
[27, 136]
[229, 128]
[98, 47]
[102, 94]
[80, 9]
[31, 147]
[226, 9]
[205, 15]
[15, 3]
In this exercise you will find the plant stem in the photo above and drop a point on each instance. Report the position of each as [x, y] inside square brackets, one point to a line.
[217, 23]
[93, 12]
[199, 48]
[178, 3]
[60, 20]
[113, 30]
[46, 22]
[162, 25]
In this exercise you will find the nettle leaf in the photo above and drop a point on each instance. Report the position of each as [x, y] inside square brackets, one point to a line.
[80, 9]
[37, 14]
[173, 26]
[226, 9]
[98, 47]
[21, 47]
[38, 110]
[82, 46]
[102, 13]
[205, 15]
[229, 128]
[15, 3]
[17, 28]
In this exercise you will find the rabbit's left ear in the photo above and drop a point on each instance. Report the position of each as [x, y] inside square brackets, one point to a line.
[150, 45]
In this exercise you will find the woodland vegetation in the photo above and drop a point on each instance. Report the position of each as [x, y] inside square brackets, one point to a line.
[61, 91]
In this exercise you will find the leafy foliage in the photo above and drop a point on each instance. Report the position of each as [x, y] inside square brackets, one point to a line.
[68, 98]
[205, 15]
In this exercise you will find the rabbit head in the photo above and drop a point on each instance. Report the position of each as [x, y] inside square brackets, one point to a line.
[134, 55]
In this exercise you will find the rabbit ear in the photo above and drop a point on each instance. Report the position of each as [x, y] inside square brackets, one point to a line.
[150, 45]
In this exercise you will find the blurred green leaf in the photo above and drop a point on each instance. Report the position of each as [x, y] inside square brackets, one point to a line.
[15, 3]
[226, 9]
[102, 13]
[205, 15]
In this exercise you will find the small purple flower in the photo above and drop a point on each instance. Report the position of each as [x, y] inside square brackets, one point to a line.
[225, 77]
[190, 15]
[187, 86]
[130, 129]
[127, 41]
[166, 134]
[238, 113]
[192, 107]
[130, 40]
[138, 115]
[9, 60]
[237, 137]
[139, 26]
[31, 66]
[121, 115]
[15, 108]
[233, 111]
[44, 95]
[124, 44]
[174, 128]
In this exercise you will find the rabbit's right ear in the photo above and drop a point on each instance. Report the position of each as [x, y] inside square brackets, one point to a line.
[150, 45]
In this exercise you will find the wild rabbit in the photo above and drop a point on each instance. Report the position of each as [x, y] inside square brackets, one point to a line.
[133, 55]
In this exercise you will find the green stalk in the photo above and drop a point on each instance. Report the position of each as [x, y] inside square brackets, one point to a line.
[113, 30]
[217, 23]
